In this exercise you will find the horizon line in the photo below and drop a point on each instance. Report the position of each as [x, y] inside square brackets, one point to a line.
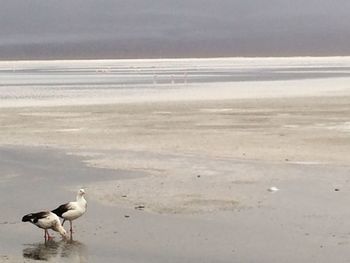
[173, 58]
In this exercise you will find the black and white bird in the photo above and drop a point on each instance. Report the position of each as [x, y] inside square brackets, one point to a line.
[72, 210]
[46, 220]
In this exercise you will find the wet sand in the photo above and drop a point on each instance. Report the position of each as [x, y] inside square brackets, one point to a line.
[181, 181]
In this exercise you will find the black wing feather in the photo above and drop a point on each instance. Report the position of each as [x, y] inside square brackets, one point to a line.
[34, 217]
[61, 209]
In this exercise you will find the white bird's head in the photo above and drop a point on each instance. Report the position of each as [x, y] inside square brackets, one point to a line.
[64, 234]
[81, 192]
[59, 228]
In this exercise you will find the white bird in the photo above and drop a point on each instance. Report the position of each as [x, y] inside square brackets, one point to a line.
[72, 210]
[46, 220]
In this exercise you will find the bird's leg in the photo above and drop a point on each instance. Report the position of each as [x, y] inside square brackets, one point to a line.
[48, 235]
[71, 230]
[45, 234]
[64, 220]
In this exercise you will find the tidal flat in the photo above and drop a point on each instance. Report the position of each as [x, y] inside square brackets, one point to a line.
[179, 172]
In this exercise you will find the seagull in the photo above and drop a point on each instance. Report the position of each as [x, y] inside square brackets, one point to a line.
[72, 210]
[46, 220]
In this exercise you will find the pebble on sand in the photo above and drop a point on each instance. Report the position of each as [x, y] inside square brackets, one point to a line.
[273, 189]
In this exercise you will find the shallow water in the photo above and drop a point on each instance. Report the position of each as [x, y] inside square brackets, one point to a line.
[36, 179]
[26, 83]
[56, 251]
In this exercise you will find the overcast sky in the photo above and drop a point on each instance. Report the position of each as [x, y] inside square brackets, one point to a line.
[39, 29]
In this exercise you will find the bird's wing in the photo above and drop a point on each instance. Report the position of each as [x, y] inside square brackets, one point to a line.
[40, 215]
[73, 214]
[62, 209]
[35, 217]
[49, 221]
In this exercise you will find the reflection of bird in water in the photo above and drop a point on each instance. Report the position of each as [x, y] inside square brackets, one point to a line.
[56, 251]
[46, 220]
[72, 210]
[74, 251]
[41, 251]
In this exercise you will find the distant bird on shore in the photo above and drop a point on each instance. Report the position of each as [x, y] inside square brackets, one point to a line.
[46, 220]
[72, 210]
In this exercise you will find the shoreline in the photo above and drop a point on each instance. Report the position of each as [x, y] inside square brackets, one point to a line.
[181, 58]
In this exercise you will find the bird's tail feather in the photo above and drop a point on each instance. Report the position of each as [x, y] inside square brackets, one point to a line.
[27, 218]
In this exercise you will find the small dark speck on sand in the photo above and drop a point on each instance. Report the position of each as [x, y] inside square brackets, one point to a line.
[126, 216]
[198, 176]
[4, 259]
[124, 196]
[140, 207]
[336, 189]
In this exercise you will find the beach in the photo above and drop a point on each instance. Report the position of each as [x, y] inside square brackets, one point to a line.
[252, 171]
